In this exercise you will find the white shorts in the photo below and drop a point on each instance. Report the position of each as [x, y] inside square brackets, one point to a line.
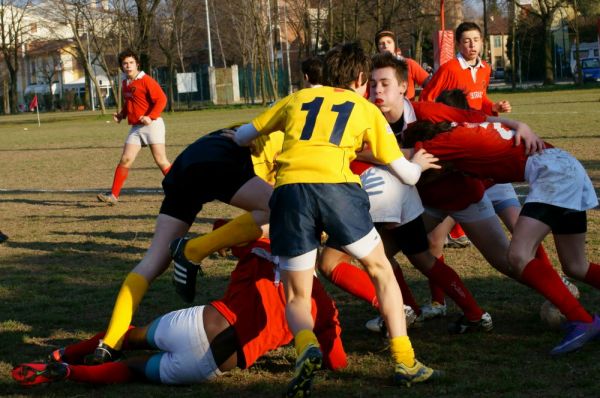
[187, 358]
[502, 196]
[556, 178]
[391, 200]
[475, 212]
[143, 135]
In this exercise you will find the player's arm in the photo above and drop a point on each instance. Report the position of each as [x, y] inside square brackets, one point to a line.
[533, 143]
[158, 98]
[435, 86]
[437, 112]
[118, 116]
[419, 75]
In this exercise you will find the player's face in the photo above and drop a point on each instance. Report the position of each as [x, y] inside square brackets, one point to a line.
[386, 44]
[130, 67]
[386, 92]
[470, 44]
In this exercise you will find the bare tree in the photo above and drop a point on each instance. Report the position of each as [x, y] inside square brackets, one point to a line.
[12, 29]
[545, 11]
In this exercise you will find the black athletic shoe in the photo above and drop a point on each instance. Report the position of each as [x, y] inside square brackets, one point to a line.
[103, 354]
[184, 272]
[463, 325]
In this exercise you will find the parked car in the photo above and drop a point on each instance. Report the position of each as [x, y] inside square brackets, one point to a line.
[499, 73]
[591, 69]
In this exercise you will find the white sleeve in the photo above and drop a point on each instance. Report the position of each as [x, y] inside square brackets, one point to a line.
[407, 172]
[245, 134]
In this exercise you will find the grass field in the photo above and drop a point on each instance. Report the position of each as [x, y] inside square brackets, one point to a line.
[68, 254]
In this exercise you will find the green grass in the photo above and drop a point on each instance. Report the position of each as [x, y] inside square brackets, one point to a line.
[67, 256]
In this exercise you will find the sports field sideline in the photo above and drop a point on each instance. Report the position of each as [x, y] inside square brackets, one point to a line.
[68, 254]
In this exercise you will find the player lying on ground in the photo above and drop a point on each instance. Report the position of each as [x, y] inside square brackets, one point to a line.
[211, 168]
[560, 192]
[202, 342]
[396, 208]
[316, 191]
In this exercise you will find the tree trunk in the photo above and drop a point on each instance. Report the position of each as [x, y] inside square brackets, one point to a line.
[548, 64]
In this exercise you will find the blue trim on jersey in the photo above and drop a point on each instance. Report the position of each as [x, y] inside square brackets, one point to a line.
[152, 369]
[152, 331]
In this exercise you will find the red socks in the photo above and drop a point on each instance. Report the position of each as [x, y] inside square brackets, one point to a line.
[592, 277]
[106, 373]
[75, 353]
[357, 282]
[354, 281]
[119, 179]
[457, 231]
[442, 275]
[542, 277]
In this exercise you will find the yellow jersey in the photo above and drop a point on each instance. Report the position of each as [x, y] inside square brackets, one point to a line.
[323, 128]
[264, 154]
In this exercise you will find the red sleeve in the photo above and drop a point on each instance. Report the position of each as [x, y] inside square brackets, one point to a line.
[327, 328]
[437, 112]
[419, 75]
[158, 99]
[437, 84]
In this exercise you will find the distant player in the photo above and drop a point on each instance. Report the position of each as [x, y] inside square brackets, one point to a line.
[560, 192]
[144, 102]
[385, 41]
[200, 343]
[316, 191]
[212, 168]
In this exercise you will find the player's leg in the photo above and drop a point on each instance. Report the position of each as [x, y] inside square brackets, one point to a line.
[154, 135]
[159, 153]
[253, 196]
[130, 151]
[437, 239]
[533, 225]
[156, 260]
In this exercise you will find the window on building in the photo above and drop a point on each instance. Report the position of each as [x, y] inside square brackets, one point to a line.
[497, 41]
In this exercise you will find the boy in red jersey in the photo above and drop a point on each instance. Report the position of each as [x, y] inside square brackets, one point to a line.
[144, 101]
[203, 342]
[385, 41]
[560, 193]
[467, 72]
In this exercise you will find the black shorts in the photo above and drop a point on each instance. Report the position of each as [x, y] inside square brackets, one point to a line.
[187, 189]
[300, 212]
[561, 221]
[410, 238]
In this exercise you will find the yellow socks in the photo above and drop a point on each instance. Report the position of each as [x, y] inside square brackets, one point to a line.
[241, 229]
[133, 289]
[402, 351]
[303, 339]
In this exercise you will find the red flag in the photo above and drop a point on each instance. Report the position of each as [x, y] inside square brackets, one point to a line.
[34, 103]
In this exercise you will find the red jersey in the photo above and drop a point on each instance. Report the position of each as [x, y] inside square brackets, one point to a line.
[143, 97]
[485, 150]
[416, 74]
[457, 74]
[255, 305]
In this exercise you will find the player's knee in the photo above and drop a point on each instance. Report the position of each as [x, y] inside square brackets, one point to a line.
[574, 270]
[518, 257]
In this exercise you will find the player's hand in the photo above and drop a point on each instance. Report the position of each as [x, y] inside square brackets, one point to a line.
[229, 134]
[533, 143]
[117, 117]
[145, 120]
[425, 159]
[502, 107]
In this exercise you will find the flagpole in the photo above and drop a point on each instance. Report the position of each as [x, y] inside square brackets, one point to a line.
[37, 108]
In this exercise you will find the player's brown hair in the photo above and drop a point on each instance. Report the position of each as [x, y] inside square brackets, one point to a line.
[387, 60]
[455, 98]
[313, 68]
[465, 27]
[126, 54]
[343, 65]
[422, 130]
[384, 33]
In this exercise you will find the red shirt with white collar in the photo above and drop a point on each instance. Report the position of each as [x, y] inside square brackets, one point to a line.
[143, 97]
[458, 74]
